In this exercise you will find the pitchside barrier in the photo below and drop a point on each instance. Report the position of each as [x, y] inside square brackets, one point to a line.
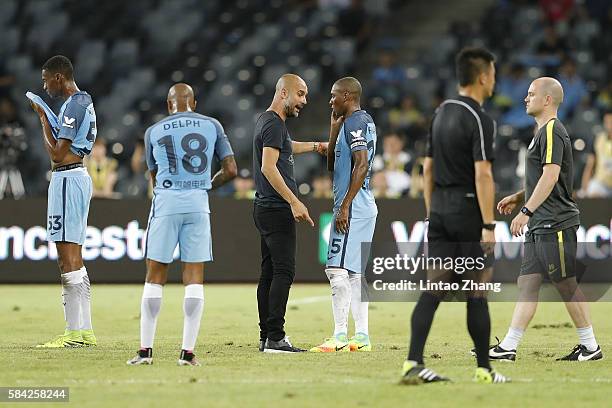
[113, 250]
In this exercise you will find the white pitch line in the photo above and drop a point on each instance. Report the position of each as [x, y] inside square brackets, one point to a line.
[275, 381]
[307, 300]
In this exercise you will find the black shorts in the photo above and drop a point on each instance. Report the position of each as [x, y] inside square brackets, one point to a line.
[552, 255]
[455, 228]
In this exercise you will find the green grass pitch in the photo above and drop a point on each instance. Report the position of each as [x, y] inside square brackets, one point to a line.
[235, 374]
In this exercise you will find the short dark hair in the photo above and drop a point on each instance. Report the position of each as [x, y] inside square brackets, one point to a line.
[350, 84]
[59, 64]
[607, 111]
[471, 62]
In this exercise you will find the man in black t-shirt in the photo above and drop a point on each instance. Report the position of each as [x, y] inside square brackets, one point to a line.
[553, 219]
[277, 208]
[271, 132]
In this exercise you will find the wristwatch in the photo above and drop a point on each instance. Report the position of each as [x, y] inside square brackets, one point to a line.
[526, 211]
[490, 227]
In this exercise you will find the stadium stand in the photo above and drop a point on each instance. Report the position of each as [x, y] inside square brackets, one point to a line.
[232, 52]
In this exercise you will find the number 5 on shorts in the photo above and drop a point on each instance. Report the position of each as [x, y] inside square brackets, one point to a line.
[335, 245]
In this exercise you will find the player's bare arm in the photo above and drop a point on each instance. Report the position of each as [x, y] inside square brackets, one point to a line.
[428, 182]
[58, 151]
[507, 204]
[228, 172]
[358, 176]
[270, 171]
[546, 183]
[308, 147]
[485, 192]
[334, 130]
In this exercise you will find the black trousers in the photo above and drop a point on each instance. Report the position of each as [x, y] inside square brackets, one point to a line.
[277, 230]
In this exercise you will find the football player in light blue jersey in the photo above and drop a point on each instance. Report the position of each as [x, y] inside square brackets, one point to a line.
[352, 144]
[179, 153]
[70, 191]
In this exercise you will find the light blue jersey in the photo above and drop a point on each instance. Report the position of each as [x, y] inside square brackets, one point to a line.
[357, 133]
[350, 251]
[70, 189]
[181, 148]
[77, 123]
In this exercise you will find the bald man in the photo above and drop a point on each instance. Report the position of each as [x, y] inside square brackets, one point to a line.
[553, 219]
[179, 152]
[277, 208]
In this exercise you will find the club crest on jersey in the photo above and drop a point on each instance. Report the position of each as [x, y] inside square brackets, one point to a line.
[68, 122]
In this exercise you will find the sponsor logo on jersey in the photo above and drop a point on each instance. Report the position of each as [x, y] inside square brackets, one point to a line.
[68, 122]
[357, 135]
[357, 139]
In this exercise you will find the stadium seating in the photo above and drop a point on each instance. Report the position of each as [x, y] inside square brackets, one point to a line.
[127, 55]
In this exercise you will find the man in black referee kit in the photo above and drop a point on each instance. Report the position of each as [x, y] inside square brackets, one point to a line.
[553, 219]
[459, 199]
[277, 208]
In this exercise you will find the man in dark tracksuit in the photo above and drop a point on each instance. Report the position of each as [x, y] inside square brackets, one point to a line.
[553, 219]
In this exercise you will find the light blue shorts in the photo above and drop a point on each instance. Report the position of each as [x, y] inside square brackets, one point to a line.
[68, 205]
[191, 231]
[345, 250]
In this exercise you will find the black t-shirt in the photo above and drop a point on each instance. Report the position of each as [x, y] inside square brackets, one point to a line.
[551, 144]
[461, 133]
[270, 131]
